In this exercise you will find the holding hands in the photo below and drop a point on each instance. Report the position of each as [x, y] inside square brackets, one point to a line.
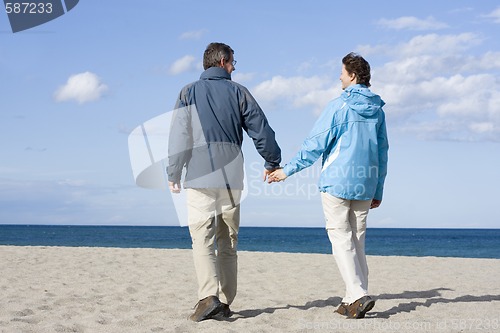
[277, 175]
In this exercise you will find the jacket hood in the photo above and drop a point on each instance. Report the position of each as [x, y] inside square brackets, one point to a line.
[360, 99]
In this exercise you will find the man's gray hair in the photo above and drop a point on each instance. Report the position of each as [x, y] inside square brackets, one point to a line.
[214, 53]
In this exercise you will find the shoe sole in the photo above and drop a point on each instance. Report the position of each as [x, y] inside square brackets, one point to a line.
[364, 308]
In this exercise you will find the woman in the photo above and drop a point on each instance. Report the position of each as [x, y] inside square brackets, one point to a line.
[351, 136]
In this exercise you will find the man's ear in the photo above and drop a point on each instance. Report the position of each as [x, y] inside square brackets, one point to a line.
[221, 63]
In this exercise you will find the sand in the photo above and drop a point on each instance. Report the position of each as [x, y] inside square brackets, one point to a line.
[65, 289]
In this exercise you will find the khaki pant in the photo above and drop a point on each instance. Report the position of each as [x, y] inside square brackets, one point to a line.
[346, 227]
[214, 220]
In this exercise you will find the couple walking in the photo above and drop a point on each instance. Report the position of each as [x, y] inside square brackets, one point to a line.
[206, 137]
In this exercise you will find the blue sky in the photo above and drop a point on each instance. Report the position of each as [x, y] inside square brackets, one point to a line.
[73, 89]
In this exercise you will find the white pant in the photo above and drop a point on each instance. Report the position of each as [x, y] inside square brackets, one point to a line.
[346, 227]
[214, 220]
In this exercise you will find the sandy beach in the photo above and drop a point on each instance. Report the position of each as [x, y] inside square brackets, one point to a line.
[64, 289]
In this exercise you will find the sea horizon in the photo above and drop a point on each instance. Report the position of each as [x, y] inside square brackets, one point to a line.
[252, 226]
[420, 242]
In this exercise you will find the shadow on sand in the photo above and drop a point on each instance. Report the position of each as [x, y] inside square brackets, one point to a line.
[432, 296]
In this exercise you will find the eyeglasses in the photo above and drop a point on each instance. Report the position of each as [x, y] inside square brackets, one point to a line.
[234, 62]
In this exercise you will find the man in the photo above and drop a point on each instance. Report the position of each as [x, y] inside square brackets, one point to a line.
[351, 136]
[206, 137]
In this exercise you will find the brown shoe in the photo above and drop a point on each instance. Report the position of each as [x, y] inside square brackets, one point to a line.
[359, 308]
[342, 309]
[206, 308]
[225, 311]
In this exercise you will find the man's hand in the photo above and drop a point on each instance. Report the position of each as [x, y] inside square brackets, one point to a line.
[277, 175]
[175, 187]
[266, 174]
[375, 203]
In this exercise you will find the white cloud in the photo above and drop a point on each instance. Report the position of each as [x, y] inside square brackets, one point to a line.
[412, 23]
[447, 85]
[183, 64]
[367, 50]
[436, 87]
[439, 44]
[452, 95]
[242, 77]
[490, 60]
[494, 15]
[305, 66]
[429, 44]
[83, 87]
[483, 127]
[466, 97]
[301, 91]
[197, 34]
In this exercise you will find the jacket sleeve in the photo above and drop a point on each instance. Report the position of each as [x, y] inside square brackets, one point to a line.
[383, 148]
[321, 137]
[180, 142]
[257, 127]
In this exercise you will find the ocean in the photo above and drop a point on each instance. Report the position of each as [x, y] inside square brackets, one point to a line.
[464, 243]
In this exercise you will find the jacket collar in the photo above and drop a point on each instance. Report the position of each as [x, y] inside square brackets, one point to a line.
[215, 73]
[356, 86]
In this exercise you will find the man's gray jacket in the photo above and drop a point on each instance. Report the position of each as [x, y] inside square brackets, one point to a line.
[206, 132]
